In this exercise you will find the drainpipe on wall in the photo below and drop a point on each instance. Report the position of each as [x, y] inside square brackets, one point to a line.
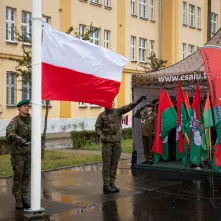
[159, 28]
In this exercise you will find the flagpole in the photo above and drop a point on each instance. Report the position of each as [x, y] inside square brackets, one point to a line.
[210, 146]
[36, 106]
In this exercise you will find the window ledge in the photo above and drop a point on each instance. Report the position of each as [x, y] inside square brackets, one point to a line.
[133, 61]
[44, 106]
[185, 25]
[92, 106]
[108, 7]
[213, 33]
[11, 105]
[192, 27]
[152, 20]
[96, 4]
[145, 19]
[85, 1]
[143, 62]
[12, 42]
[27, 44]
[82, 106]
[132, 15]
[199, 29]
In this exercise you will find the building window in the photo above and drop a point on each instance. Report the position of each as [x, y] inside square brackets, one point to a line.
[133, 7]
[106, 39]
[107, 3]
[151, 49]
[96, 1]
[82, 30]
[26, 89]
[11, 89]
[151, 9]
[143, 9]
[213, 22]
[191, 15]
[133, 48]
[26, 28]
[184, 13]
[10, 24]
[142, 50]
[183, 50]
[82, 104]
[190, 49]
[46, 19]
[95, 37]
[198, 17]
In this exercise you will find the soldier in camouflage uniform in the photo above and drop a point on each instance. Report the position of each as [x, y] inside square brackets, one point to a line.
[18, 134]
[108, 126]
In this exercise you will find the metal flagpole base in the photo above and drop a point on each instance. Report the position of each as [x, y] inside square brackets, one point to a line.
[29, 213]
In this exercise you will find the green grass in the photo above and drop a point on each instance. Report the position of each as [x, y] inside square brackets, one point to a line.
[127, 146]
[52, 160]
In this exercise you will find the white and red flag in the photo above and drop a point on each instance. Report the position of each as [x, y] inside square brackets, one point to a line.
[76, 70]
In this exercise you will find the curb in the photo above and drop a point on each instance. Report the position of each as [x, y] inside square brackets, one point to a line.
[63, 168]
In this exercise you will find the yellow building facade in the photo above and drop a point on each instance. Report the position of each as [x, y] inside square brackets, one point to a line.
[173, 29]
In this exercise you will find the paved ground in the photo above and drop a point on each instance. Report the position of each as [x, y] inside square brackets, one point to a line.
[76, 194]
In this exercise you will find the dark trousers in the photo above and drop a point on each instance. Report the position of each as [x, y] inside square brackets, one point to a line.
[147, 145]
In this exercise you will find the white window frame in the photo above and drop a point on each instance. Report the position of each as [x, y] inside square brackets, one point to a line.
[184, 13]
[26, 94]
[151, 47]
[96, 1]
[142, 50]
[107, 3]
[107, 36]
[183, 51]
[214, 20]
[82, 30]
[26, 25]
[9, 88]
[95, 37]
[46, 19]
[191, 15]
[143, 8]
[133, 41]
[10, 24]
[190, 49]
[152, 14]
[133, 7]
[198, 17]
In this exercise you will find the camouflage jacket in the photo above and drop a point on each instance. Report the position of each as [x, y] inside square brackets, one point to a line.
[108, 124]
[19, 128]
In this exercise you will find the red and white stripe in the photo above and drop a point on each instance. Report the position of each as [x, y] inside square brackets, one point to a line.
[76, 70]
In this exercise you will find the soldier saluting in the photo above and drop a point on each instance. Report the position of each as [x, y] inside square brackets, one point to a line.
[18, 134]
[148, 121]
[108, 126]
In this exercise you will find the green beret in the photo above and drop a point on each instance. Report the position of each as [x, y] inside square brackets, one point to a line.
[22, 102]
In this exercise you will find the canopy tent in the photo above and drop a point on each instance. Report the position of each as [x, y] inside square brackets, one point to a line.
[188, 72]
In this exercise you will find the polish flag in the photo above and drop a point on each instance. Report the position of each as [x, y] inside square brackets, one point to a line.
[76, 70]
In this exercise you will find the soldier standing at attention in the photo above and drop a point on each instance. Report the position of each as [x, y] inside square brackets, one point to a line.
[18, 134]
[148, 122]
[108, 126]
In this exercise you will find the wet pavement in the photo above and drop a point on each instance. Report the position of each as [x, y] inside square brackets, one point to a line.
[76, 194]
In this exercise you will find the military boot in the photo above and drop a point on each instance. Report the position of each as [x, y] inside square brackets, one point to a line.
[108, 189]
[114, 187]
[26, 203]
[18, 204]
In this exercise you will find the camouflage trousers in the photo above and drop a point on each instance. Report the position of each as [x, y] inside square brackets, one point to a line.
[111, 155]
[21, 165]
